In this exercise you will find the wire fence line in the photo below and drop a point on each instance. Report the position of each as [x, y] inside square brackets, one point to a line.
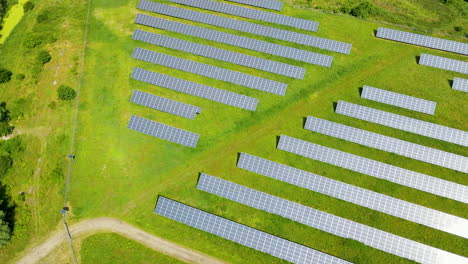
[72, 143]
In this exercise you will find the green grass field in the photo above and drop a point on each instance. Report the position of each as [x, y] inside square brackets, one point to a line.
[111, 248]
[120, 173]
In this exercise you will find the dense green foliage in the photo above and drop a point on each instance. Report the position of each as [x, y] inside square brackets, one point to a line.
[5, 164]
[43, 57]
[4, 6]
[115, 249]
[65, 93]
[28, 6]
[5, 232]
[5, 75]
[5, 127]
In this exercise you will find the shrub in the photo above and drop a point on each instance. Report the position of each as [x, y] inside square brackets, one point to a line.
[364, 10]
[5, 232]
[20, 76]
[43, 57]
[5, 75]
[6, 162]
[28, 6]
[66, 93]
[44, 17]
[5, 130]
[52, 105]
[32, 40]
[458, 28]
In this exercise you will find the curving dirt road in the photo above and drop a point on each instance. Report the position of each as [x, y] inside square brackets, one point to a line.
[104, 224]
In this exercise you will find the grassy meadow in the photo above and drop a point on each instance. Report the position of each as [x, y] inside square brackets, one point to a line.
[120, 173]
[109, 248]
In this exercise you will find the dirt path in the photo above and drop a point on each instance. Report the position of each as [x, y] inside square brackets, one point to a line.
[103, 224]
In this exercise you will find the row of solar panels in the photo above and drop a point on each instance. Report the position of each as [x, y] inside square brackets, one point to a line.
[236, 40]
[268, 4]
[311, 217]
[246, 27]
[431, 60]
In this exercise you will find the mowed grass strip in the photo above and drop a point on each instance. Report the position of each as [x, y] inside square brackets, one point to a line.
[120, 173]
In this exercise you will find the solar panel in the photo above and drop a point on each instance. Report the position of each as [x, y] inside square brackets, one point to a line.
[460, 84]
[404, 123]
[241, 234]
[163, 131]
[236, 40]
[375, 168]
[400, 100]
[443, 63]
[329, 223]
[421, 40]
[268, 4]
[247, 27]
[210, 71]
[360, 196]
[196, 89]
[250, 13]
[389, 144]
[165, 105]
[220, 54]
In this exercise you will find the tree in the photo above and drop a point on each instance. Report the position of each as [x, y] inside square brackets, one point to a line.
[6, 162]
[5, 75]
[5, 232]
[66, 93]
[28, 6]
[43, 57]
[4, 113]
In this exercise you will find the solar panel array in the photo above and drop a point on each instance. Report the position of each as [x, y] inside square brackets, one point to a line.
[460, 84]
[389, 144]
[421, 40]
[196, 89]
[163, 131]
[376, 169]
[360, 196]
[443, 63]
[218, 54]
[236, 40]
[247, 27]
[400, 100]
[335, 225]
[210, 71]
[165, 105]
[241, 234]
[412, 125]
[268, 4]
[250, 13]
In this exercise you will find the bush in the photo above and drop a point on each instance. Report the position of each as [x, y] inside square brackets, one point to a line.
[361, 9]
[458, 28]
[44, 17]
[5, 232]
[5, 75]
[43, 57]
[6, 162]
[5, 129]
[52, 105]
[28, 6]
[32, 40]
[20, 76]
[66, 93]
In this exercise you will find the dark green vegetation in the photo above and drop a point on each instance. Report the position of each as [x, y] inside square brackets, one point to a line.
[28, 6]
[5, 75]
[111, 248]
[4, 6]
[43, 57]
[65, 93]
[442, 17]
[119, 172]
[5, 127]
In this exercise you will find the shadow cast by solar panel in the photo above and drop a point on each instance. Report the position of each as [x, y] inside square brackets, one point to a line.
[304, 121]
[360, 89]
[375, 32]
[418, 58]
[278, 140]
[238, 157]
[450, 82]
[335, 105]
